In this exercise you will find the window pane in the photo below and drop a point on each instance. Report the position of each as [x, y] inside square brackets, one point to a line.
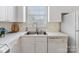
[40, 10]
[37, 15]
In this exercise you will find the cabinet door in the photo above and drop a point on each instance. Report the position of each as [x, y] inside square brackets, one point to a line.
[57, 45]
[54, 15]
[2, 13]
[16, 47]
[41, 44]
[10, 14]
[7, 13]
[20, 14]
[28, 44]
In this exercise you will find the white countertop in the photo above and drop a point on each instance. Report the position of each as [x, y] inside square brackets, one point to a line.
[56, 34]
[11, 38]
[53, 34]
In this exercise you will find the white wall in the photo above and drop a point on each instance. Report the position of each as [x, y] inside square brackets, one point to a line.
[53, 27]
[61, 9]
[55, 12]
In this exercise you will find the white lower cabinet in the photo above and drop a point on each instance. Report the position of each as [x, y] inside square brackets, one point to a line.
[15, 47]
[58, 45]
[34, 44]
[27, 44]
[41, 44]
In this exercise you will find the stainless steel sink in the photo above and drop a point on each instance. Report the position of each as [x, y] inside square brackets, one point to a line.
[29, 32]
[38, 33]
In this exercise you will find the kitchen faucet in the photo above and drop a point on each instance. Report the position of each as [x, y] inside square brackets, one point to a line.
[35, 23]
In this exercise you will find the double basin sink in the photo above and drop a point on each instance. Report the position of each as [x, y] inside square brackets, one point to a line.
[38, 33]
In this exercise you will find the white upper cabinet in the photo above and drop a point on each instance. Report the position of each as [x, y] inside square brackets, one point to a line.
[20, 14]
[2, 13]
[54, 15]
[7, 14]
[12, 14]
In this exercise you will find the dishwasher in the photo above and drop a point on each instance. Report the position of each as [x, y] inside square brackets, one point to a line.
[57, 44]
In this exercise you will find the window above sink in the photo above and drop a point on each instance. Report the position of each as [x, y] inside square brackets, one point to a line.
[37, 17]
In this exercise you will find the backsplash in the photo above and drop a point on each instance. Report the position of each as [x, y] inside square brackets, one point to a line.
[7, 25]
[51, 26]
